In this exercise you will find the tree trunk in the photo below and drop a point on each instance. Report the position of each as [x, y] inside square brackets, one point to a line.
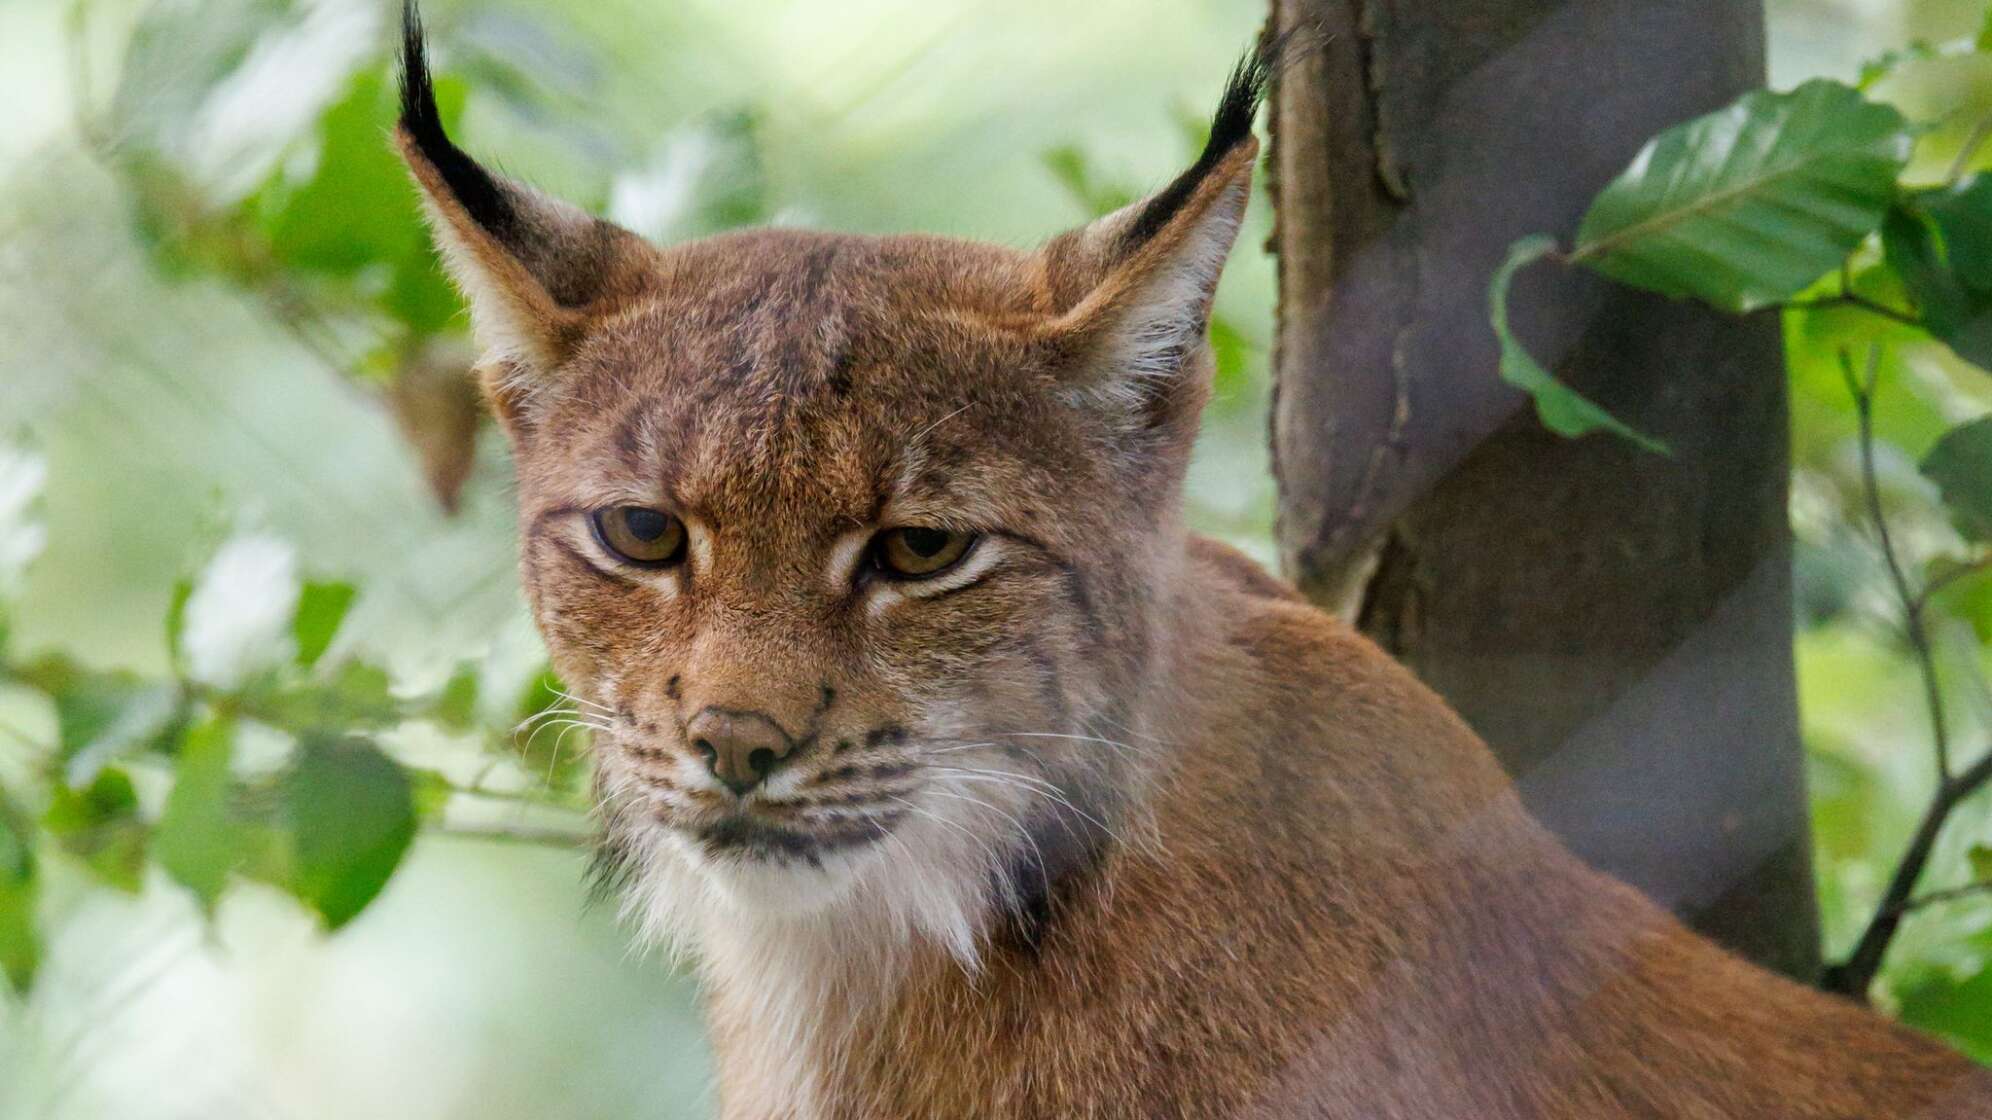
[1616, 624]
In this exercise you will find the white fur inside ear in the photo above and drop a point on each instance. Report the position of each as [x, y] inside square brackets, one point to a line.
[1155, 336]
[507, 325]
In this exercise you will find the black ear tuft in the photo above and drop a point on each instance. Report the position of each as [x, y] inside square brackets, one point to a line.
[473, 187]
[1230, 127]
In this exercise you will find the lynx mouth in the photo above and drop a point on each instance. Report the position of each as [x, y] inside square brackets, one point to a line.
[743, 836]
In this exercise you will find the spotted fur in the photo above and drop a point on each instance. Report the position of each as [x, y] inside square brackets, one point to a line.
[1104, 822]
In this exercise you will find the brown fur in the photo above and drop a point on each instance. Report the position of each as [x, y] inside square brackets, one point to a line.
[1244, 866]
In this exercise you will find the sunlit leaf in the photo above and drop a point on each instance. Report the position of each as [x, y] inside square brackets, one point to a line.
[1906, 413]
[1233, 352]
[1980, 858]
[20, 944]
[1881, 66]
[1960, 1009]
[455, 706]
[23, 533]
[358, 210]
[1750, 204]
[321, 607]
[348, 816]
[1961, 466]
[100, 825]
[200, 841]
[238, 617]
[1969, 599]
[1562, 409]
[176, 618]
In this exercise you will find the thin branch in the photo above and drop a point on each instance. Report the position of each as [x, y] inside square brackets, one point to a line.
[564, 839]
[1962, 571]
[1853, 976]
[1857, 301]
[1951, 895]
[1911, 601]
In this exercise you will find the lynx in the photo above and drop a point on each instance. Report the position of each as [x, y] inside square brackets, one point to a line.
[974, 784]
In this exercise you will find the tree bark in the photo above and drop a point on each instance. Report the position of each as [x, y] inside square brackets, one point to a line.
[1616, 624]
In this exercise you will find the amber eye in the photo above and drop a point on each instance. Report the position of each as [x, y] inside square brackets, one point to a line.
[641, 536]
[916, 552]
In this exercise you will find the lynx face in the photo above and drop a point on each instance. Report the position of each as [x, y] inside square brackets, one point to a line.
[847, 544]
[815, 527]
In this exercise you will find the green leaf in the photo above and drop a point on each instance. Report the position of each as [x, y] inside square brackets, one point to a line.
[1940, 243]
[100, 825]
[176, 618]
[1981, 863]
[20, 945]
[1961, 466]
[356, 696]
[1750, 204]
[200, 841]
[349, 815]
[1233, 352]
[1562, 409]
[455, 707]
[1960, 1009]
[358, 212]
[321, 607]
[1875, 69]
[100, 715]
[357, 207]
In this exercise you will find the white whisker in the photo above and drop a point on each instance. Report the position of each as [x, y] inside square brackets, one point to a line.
[1044, 872]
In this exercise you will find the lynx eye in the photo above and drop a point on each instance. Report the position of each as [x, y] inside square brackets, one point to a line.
[917, 552]
[640, 535]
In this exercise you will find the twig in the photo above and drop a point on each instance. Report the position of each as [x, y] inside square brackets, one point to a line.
[1969, 148]
[1954, 893]
[516, 834]
[1962, 571]
[1853, 976]
[1912, 602]
[1857, 301]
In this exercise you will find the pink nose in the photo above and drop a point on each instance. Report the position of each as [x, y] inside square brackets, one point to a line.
[740, 748]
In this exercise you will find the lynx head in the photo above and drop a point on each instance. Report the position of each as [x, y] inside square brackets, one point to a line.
[853, 547]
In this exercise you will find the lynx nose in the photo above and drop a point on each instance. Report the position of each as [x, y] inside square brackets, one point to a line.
[740, 748]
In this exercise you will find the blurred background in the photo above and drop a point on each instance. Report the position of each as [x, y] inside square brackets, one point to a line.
[228, 403]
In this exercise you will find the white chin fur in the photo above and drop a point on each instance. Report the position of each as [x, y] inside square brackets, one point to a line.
[790, 952]
[930, 880]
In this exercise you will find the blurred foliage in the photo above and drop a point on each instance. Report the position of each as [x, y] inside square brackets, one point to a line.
[263, 755]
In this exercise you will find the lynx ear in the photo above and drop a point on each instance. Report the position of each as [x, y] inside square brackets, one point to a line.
[533, 269]
[1136, 285]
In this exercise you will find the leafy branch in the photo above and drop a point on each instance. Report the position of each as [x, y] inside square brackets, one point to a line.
[1761, 205]
[1854, 975]
[329, 824]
